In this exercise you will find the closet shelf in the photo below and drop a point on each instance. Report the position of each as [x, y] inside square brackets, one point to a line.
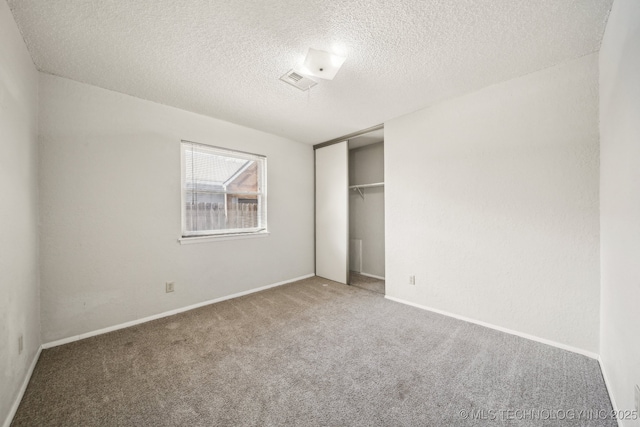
[359, 187]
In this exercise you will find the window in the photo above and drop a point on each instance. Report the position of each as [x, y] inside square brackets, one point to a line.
[224, 192]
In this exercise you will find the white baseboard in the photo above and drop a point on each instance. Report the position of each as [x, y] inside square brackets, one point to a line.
[500, 328]
[607, 384]
[23, 388]
[372, 275]
[167, 313]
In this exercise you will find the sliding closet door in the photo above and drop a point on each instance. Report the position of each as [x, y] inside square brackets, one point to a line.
[332, 211]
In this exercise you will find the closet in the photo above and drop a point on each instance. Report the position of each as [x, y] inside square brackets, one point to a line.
[350, 210]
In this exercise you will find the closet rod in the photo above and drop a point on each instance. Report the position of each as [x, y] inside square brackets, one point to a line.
[375, 184]
[361, 186]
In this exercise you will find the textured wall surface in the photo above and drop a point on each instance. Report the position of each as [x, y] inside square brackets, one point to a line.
[110, 194]
[492, 202]
[620, 202]
[19, 303]
[224, 58]
[366, 215]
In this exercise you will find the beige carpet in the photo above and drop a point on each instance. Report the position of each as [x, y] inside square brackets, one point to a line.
[306, 354]
[366, 282]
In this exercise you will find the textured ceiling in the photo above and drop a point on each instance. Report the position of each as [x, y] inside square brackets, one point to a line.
[223, 58]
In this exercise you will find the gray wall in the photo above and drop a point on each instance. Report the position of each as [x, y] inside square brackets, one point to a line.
[492, 202]
[110, 169]
[366, 216]
[19, 303]
[620, 202]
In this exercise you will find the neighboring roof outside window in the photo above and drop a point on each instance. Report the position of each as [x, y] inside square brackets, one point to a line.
[212, 168]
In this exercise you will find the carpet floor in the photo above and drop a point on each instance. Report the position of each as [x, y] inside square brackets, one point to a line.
[366, 282]
[311, 353]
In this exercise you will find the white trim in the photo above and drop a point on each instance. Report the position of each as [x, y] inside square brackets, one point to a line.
[221, 237]
[167, 313]
[609, 389]
[358, 243]
[23, 388]
[372, 275]
[500, 328]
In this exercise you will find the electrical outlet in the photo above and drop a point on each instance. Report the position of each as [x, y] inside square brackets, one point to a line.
[637, 399]
[412, 280]
[20, 344]
[169, 287]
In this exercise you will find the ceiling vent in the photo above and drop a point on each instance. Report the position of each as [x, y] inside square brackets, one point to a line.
[298, 80]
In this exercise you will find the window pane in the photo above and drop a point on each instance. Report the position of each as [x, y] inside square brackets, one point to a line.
[240, 212]
[223, 191]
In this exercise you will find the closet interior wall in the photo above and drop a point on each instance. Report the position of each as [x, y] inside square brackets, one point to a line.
[366, 210]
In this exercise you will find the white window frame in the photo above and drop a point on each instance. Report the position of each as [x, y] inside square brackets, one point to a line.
[227, 234]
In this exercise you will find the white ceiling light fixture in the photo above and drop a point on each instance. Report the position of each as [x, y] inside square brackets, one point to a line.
[321, 64]
[317, 64]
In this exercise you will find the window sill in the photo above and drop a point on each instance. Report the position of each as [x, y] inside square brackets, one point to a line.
[205, 239]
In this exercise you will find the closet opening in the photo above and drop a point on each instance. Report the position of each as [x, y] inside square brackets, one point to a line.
[366, 211]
